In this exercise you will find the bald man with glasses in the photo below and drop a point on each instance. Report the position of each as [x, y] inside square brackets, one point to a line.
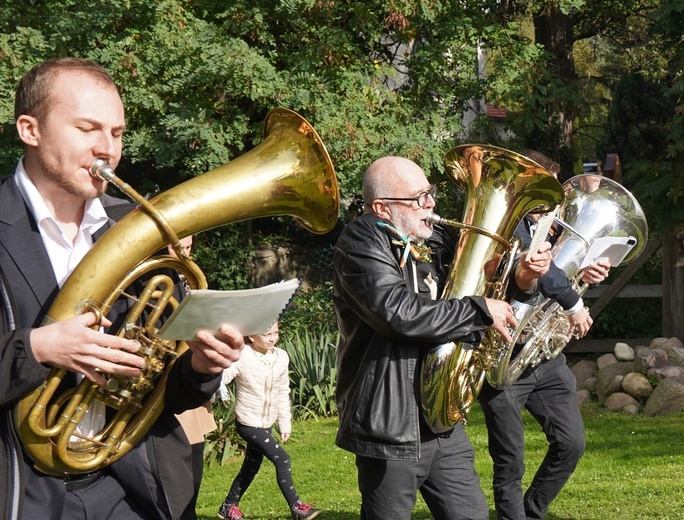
[390, 266]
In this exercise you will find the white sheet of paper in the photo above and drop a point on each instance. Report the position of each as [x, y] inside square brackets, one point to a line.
[251, 311]
[612, 249]
[541, 232]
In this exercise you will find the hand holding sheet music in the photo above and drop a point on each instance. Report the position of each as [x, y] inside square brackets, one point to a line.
[611, 249]
[541, 232]
[251, 311]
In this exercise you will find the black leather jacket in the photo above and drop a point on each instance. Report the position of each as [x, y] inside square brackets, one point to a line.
[384, 324]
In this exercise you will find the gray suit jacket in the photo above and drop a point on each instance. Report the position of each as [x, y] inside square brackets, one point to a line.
[23, 257]
[157, 473]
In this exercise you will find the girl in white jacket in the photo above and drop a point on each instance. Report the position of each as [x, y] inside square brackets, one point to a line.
[263, 397]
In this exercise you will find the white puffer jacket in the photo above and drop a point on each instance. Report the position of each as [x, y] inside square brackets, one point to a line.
[263, 388]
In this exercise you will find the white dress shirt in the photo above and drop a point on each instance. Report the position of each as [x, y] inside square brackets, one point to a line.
[64, 257]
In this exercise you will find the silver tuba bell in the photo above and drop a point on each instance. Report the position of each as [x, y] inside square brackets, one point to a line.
[594, 207]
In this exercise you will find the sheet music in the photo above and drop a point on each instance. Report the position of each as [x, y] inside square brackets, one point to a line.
[612, 249]
[251, 311]
[541, 232]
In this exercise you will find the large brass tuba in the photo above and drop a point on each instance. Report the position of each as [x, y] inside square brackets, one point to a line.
[501, 187]
[289, 173]
[594, 207]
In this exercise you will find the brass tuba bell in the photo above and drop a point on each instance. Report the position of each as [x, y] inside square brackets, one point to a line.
[501, 187]
[595, 207]
[288, 173]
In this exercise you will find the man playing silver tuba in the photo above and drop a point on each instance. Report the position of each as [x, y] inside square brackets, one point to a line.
[548, 392]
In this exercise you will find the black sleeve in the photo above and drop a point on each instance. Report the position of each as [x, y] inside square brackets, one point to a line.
[187, 389]
[374, 288]
[20, 372]
[8, 313]
[554, 284]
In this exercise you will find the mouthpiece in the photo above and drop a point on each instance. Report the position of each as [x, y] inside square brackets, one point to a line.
[433, 218]
[101, 169]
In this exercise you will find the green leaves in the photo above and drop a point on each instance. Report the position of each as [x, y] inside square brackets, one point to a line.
[313, 373]
[224, 442]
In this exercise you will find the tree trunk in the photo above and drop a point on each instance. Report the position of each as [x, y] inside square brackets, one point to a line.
[553, 29]
[673, 282]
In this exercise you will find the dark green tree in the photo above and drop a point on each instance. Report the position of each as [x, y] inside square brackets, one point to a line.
[198, 77]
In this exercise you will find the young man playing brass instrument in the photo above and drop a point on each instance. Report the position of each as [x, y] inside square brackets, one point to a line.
[68, 114]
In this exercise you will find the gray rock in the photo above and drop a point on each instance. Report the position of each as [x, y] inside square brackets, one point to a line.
[658, 374]
[676, 355]
[667, 397]
[623, 352]
[590, 384]
[637, 385]
[631, 409]
[583, 370]
[660, 352]
[640, 350]
[657, 342]
[583, 396]
[605, 360]
[644, 361]
[619, 400]
[609, 378]
[671, 343]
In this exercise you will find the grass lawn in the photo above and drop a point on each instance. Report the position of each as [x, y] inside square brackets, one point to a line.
[633, 468]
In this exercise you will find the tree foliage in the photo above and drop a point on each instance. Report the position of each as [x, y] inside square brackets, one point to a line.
[374, 77]
[197, 78]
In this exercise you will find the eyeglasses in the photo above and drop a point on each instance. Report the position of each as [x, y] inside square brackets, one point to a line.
[420, 199]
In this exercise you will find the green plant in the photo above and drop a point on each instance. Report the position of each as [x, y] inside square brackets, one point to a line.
[225, 256]
[312, 373]
[311, 311]
[224, 442]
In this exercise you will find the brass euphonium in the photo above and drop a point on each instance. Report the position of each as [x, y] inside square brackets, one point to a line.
[595, 207]
[501, 187]
[288, 173]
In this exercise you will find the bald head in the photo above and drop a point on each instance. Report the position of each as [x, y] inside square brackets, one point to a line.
[387, 176]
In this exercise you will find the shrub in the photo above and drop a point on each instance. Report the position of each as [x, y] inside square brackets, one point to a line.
[312, 373]
[311, 312]
[224, 442]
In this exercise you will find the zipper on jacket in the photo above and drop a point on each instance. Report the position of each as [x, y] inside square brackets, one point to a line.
[268, 387]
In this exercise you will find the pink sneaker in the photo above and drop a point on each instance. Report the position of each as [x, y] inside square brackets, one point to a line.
[302, 511]
[230, 512]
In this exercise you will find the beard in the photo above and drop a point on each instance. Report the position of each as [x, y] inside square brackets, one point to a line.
[70, 184]
[411, 226]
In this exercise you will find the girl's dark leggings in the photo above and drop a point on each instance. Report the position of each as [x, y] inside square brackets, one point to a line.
[261, 443]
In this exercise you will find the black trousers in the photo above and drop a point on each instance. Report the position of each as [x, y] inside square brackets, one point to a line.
[104, 499]
[445, 475]
[197, 470]
[261, 443]
[548, 392]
